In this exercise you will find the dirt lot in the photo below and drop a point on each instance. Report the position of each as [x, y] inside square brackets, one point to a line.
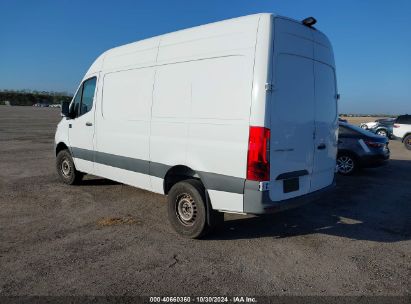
[105, 238]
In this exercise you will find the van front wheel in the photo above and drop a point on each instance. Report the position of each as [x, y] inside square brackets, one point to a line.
[66, 169]
[187, 210]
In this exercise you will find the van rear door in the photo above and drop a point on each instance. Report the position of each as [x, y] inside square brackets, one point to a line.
[292, 111]
[325, 146]
[303, 118]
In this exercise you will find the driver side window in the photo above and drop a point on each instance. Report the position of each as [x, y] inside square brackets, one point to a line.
[83, 101]
[77, 101]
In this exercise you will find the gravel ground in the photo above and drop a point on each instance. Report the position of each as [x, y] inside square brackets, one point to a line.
[105, 238]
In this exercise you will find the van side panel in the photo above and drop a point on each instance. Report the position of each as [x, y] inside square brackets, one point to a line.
[200, 115]
[201, 106]
[123, 127]
[229, 37]
[134, 55]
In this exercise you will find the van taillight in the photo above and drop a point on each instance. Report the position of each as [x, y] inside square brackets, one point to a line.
[258, 164]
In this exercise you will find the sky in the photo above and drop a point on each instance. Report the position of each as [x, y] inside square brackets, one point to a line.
[49, 45]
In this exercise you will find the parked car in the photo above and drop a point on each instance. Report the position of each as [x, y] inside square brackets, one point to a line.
[190, 115]
[384, 127]
[342, 119]
[358, 148]
[41, 105]
[402, 130]
[368, 125]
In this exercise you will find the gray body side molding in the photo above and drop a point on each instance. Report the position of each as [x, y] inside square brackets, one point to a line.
[212, 181]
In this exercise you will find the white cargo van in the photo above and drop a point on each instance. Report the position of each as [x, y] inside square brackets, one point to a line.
[235, 116]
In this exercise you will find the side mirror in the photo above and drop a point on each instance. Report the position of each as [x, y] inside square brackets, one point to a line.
[65, 109]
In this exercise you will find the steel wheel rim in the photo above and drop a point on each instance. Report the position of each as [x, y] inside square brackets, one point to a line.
[65, 168]
[408, 142]
[186, 209]
[345, 164]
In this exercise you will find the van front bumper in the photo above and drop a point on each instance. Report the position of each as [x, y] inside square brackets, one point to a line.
[259, 202]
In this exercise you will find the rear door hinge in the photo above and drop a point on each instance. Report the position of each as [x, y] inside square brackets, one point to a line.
[269, 87]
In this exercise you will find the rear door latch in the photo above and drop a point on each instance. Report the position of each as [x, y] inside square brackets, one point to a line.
[263, 186]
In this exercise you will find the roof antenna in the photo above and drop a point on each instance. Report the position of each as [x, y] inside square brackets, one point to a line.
[309, 21]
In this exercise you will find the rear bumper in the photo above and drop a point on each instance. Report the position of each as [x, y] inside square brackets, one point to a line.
[259, 202]
[376, 160]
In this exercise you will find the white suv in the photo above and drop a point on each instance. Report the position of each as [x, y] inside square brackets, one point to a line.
[402, 129]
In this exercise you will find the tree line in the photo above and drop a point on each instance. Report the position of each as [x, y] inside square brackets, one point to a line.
[29, 98]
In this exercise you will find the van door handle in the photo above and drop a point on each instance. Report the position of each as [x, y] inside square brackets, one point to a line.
[321, 146]
[89, 124]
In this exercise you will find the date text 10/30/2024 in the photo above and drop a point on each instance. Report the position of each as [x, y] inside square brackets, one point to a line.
[239, 299]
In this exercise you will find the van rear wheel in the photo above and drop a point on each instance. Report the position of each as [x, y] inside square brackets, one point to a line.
[66, 168]
[187, 209]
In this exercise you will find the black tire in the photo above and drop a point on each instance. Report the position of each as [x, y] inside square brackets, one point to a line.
[66, 168]
[216, 218]
[382, 132]
[187, 209]
[407, 142]
[347, 164]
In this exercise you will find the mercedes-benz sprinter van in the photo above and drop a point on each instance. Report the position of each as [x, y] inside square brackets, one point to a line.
[235, 116]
